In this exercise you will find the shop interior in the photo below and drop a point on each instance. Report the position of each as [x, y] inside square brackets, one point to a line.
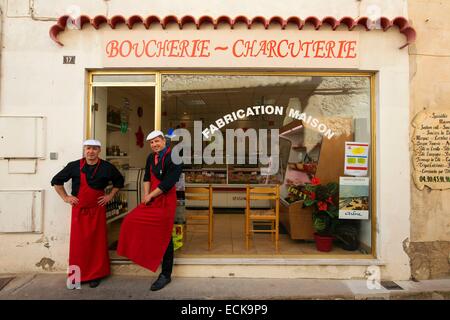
[123, 116]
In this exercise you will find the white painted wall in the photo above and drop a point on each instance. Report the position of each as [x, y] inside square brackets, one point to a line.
[35, 82]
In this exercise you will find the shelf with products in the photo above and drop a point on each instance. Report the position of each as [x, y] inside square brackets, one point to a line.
[245, 175]
[117, 207]
[230, 175]
[115, 152]
[128, 197]
[205, 175]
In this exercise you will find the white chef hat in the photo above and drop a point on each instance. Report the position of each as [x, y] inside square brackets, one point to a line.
[154, 134]
[92, 142]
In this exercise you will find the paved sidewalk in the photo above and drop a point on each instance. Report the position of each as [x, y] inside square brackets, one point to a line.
[53, 286]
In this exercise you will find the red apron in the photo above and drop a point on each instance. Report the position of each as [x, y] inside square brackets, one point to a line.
[88, 234]
[146, 231]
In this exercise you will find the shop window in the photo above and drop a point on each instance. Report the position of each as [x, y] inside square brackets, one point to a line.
[287, 130]
[314, 118]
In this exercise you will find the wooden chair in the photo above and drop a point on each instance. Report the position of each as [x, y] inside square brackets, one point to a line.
[267, 217]
[200, 217]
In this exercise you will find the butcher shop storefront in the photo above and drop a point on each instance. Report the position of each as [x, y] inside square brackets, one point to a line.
[291, 129]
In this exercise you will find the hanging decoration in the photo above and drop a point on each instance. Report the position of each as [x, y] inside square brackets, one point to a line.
[140, 137]
[140, 134]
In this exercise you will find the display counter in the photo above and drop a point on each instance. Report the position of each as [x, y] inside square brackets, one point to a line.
[227, 196]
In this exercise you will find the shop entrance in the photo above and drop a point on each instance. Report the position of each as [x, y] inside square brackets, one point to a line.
[123, 113]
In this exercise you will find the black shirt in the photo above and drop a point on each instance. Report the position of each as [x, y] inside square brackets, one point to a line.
[106, 172]
[169, 176]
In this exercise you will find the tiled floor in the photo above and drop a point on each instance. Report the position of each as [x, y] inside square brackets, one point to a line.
[229, 241]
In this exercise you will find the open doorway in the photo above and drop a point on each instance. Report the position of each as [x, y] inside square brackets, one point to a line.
[121, 119]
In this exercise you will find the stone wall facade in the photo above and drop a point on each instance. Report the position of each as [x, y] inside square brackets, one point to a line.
[429, 246]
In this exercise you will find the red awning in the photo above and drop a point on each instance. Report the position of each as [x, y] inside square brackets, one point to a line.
[400, 22]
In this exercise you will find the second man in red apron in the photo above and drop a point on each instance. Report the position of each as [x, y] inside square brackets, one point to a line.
[146, 232]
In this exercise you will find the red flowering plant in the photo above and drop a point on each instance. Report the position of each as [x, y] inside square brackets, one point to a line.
[323, 199]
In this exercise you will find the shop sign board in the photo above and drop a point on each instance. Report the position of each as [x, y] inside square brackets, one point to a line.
[431, 149]
[231, 49]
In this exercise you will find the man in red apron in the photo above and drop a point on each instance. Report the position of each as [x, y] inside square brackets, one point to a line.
[88, 234]
[146, 232]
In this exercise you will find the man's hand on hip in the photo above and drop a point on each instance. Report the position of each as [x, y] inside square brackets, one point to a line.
[147, 198]
[104, 199]
[72, 200]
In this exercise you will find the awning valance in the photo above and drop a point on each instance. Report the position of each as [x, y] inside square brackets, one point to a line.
[98, 21]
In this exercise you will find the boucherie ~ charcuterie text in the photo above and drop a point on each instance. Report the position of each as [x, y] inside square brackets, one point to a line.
[240, 48]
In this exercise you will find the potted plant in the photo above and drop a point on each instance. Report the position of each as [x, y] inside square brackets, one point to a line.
[323, 199]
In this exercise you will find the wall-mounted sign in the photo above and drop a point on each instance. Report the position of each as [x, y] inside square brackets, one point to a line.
[231, 48]
[356, 158]
[431, 147]
[354, 198]
[68, 59]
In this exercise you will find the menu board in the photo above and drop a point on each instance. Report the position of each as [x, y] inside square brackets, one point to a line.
[431, 147]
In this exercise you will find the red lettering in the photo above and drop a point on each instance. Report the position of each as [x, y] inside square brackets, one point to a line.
[241, 42]
[183, 48]
[121, 49]
[173, 45]
[147, 53]
[279, 49]
[307, 48]
[112, 48]
[204, 49]
[292, 46]
[329, 47]
[194, 48]
[262, 48]
[341, 48]
[162, 48]
[250, 45]
[136, 46]
[272, 45]
[318, 48]
[351, 49]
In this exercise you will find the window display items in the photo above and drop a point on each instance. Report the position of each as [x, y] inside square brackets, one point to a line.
[356, 158]
[296, 193]
[323, 199]
[354, 198]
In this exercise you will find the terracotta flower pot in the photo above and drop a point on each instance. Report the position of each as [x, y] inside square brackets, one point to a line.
[323, 243]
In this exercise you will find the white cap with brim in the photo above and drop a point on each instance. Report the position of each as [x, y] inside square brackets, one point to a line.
[92, 142]
[154, 134]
